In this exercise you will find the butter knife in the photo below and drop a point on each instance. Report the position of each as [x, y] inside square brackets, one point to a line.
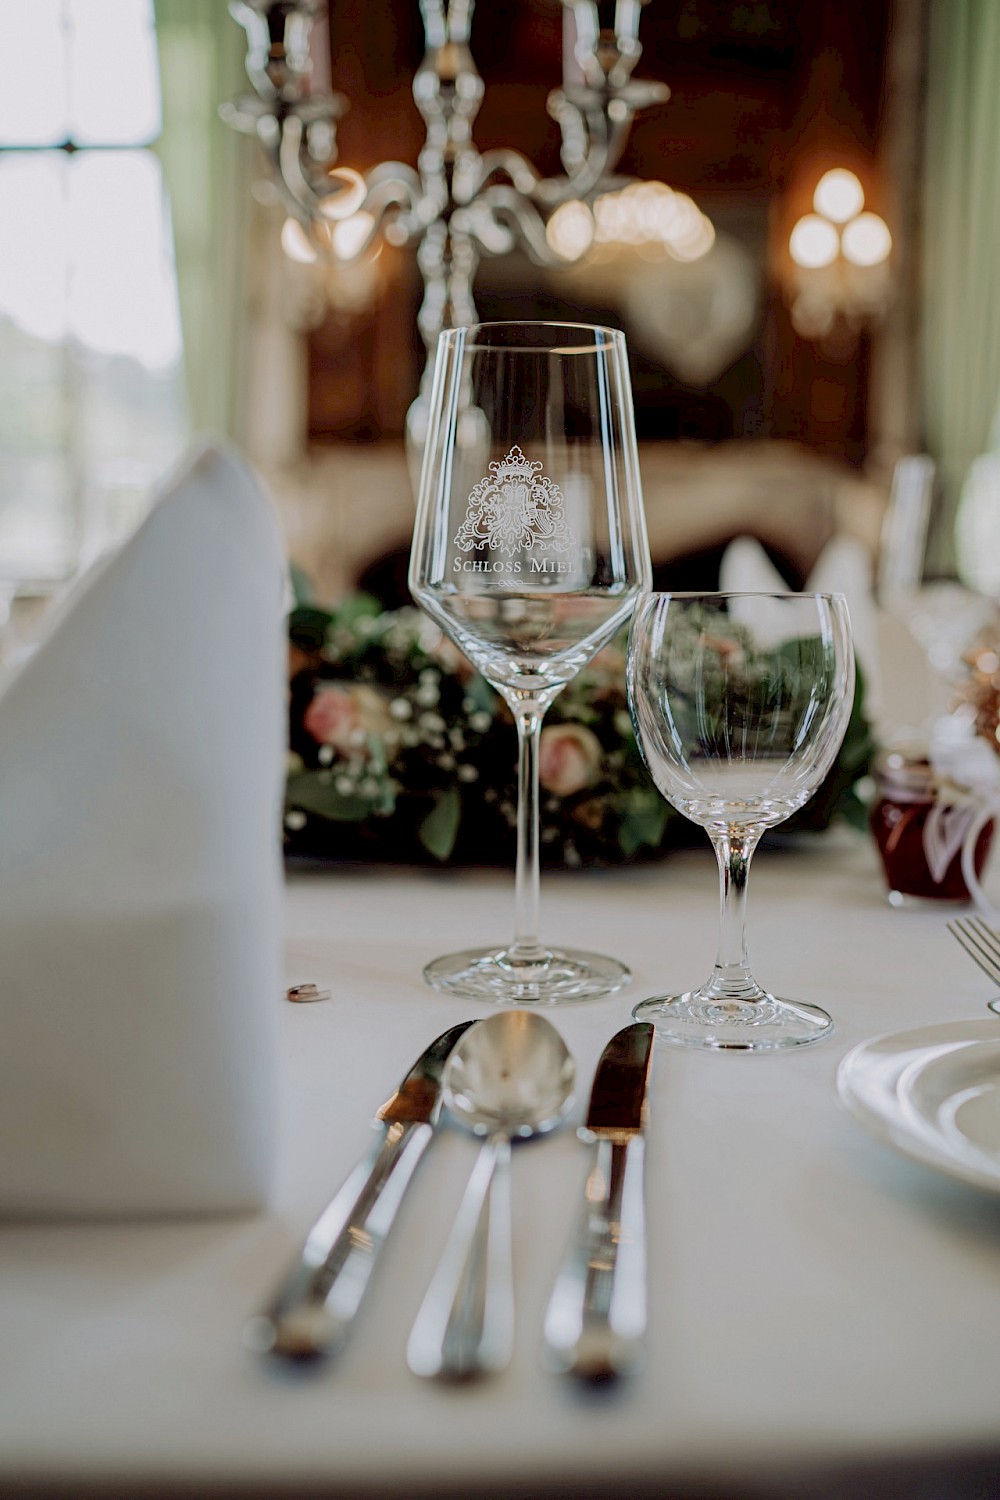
[312, 1310]
[596, 1317]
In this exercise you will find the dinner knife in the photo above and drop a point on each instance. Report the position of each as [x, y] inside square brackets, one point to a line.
[596, 1315]
[312, 1311]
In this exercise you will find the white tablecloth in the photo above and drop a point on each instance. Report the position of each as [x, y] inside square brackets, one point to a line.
[820, 1306]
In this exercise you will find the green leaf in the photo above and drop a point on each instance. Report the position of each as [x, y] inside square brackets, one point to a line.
[307, 627]
[306, 792]
[301, 587]
[358, 607]
[482, 695]
[643, 819]
[439, 829]
[853, 810]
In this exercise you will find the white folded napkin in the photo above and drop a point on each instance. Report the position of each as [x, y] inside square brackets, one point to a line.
[141, 759]
[843, 567]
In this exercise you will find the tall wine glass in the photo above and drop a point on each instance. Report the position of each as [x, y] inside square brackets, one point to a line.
[740, 703]
[529, 550]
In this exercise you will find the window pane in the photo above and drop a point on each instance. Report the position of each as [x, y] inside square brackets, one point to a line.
[33, 248]
[114, 86]
[39, 520]
[123, 296]
[34, 99]
[91, 407]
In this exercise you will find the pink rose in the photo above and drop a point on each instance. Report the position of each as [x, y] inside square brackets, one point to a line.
[569, 759]
[344, 714]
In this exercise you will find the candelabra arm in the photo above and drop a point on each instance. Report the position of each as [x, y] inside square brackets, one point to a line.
[512, 165]
[526, 225]
[393, 184]
[292, 174]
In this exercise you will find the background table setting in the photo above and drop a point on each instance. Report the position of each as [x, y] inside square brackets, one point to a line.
[823, 1291]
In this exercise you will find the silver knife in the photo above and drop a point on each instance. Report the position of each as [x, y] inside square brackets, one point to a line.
[596, 1315]
[312, 1311]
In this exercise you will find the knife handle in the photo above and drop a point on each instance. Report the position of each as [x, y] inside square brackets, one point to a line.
[596, 1316]
[465, 1326]
[313, 1308]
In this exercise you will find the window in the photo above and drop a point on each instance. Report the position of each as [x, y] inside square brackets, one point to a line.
[91, 404]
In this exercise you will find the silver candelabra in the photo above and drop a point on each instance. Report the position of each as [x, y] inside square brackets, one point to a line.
[459, 203]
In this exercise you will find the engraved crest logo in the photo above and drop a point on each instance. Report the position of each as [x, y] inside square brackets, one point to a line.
[515, 509]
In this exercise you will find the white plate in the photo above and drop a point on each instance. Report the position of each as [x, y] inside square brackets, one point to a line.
[933, 1094]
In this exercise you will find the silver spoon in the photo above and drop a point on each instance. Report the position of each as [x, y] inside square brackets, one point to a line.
[509, 1076]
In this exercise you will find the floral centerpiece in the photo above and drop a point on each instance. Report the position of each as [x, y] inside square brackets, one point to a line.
[400, 751]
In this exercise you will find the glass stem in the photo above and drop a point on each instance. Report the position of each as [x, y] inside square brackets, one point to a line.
[526, 948]
[731, 979]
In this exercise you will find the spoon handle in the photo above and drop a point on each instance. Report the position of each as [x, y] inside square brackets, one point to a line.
[465, 1326]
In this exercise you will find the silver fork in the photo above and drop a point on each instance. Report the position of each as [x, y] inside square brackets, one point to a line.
[982, 945]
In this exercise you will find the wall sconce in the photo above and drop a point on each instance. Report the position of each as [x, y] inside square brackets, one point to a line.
[840, 276]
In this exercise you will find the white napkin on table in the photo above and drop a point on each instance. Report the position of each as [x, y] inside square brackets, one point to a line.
[843, 567]
[141, 759]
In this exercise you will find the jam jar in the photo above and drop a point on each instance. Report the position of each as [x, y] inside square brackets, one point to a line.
[919, 821]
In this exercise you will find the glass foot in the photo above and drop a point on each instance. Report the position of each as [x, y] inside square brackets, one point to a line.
[564, 976]
[761, 1024]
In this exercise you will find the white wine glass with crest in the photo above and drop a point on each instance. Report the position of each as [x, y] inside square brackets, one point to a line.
[529, 551]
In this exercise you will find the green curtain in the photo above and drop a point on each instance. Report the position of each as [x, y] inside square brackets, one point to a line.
[960, 357]
[209, 170]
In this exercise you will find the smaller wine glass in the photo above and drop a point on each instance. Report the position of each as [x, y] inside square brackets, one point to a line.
[740, 703]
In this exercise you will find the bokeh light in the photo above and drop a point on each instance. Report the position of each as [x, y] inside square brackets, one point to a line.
[351, 235]
[570, 230]
[350, 194]
[866, 240]
[839, 195]
[296, 243]
[653, 214]
[813, 243]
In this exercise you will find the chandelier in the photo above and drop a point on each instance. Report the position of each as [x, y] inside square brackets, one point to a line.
[458, 203]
